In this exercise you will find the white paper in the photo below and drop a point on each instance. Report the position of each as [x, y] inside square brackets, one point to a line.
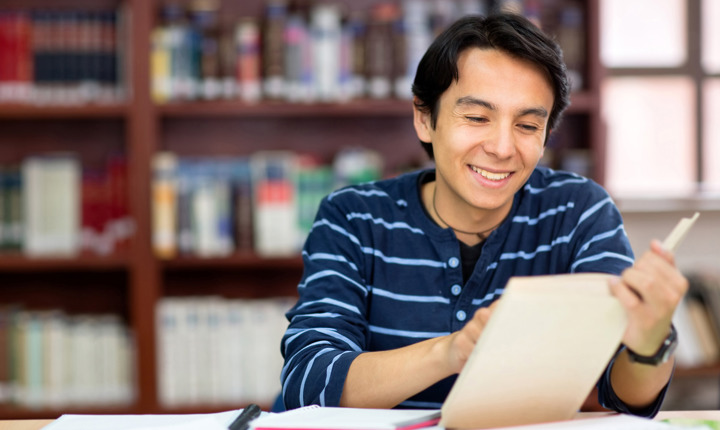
[216, 421]
[334, 418]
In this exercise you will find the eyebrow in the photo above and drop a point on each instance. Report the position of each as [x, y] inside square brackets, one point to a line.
[474, 101]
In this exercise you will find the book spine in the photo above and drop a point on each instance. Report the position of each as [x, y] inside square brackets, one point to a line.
[379, 50]
[164, 192]
[161, 68]
[273, 50]
[13, 216]
[326, 44]
[248, 60]
[275, 216]
[198, 366]
[52, 205]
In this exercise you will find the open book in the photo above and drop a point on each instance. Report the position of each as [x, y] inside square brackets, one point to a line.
[547, 343]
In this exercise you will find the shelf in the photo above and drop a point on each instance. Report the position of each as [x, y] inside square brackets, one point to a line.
[581, 102]
[655, 204]
[27, 111]
[26, 413]
[395, 108]
[710, 370]
[13, 262]
[245, 260]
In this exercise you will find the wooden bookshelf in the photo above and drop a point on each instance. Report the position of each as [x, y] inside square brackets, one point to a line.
[137, 279]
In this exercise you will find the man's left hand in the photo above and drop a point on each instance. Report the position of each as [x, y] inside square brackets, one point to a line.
[649, 291]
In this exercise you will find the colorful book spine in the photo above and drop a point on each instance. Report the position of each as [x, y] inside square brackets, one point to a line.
[249, 80]
[273, 60]
[275, 215]
[164, 205]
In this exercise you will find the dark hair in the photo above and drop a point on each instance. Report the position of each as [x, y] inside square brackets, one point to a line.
[508, 32]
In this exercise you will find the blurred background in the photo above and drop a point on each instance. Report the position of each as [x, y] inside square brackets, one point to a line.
[161, 162]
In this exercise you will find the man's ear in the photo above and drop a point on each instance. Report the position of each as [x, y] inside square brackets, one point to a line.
[422, 124]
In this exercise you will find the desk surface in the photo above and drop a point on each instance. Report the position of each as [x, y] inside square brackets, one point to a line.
[38, 424]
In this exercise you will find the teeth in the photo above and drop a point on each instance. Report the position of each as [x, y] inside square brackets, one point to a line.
[490, 175]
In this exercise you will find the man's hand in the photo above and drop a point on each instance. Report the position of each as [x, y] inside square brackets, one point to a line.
[382, 379]
[650, 291]
[463, 341]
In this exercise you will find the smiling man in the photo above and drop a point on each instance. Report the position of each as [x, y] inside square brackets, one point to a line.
[401, 274]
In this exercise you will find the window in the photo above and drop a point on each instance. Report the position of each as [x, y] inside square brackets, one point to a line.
[661, 96]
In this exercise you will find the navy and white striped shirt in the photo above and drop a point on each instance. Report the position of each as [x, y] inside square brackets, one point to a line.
[380, 274]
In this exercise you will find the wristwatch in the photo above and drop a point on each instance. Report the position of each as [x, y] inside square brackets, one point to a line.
[661, 355]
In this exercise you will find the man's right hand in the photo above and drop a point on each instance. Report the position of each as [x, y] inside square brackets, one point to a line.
[463, 341]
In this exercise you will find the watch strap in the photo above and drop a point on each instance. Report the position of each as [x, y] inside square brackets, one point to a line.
[667, 347]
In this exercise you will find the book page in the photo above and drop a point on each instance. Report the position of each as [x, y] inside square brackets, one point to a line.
[546, 345]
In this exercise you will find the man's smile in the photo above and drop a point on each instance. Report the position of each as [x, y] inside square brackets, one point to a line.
[490, 175]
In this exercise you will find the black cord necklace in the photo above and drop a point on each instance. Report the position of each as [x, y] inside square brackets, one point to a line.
[480, 234]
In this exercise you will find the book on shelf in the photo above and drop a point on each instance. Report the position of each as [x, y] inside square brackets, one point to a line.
[274, 201]
[12, 218]
[51, 194]
[164, 204]
[50, 205]
[199, 366]
[697, 320]
[264, 202]
[273, 61]
[57, 360]
[249, 81]
[66, 56]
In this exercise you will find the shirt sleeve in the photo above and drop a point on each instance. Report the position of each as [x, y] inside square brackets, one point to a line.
[609, 400]
[599, 240]
[328, 327]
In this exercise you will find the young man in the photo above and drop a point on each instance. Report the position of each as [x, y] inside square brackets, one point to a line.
[400, 274]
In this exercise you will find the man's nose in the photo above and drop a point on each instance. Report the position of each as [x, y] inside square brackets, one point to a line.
[501, 142]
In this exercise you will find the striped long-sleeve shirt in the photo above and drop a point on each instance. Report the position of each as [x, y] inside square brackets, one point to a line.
[379, 274]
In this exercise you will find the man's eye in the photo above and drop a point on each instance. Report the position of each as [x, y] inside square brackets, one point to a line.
[530, 128]
[476, 119]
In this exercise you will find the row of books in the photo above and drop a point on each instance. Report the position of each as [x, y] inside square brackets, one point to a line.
[322, 52]
[61, 56]
[51, 206]
[213, 350]
[53, 360]
[697, 320]
[265, 202]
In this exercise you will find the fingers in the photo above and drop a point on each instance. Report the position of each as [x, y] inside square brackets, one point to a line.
[655, 278]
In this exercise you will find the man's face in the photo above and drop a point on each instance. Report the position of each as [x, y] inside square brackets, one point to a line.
[490, 131]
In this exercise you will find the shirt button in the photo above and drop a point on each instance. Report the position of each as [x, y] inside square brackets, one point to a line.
[456, 290]
[461, 315]
[453, 262]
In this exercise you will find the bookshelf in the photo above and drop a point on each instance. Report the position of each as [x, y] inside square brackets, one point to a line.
[131, 281]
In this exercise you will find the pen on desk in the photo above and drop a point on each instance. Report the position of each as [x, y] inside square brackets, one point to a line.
[248, 414]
